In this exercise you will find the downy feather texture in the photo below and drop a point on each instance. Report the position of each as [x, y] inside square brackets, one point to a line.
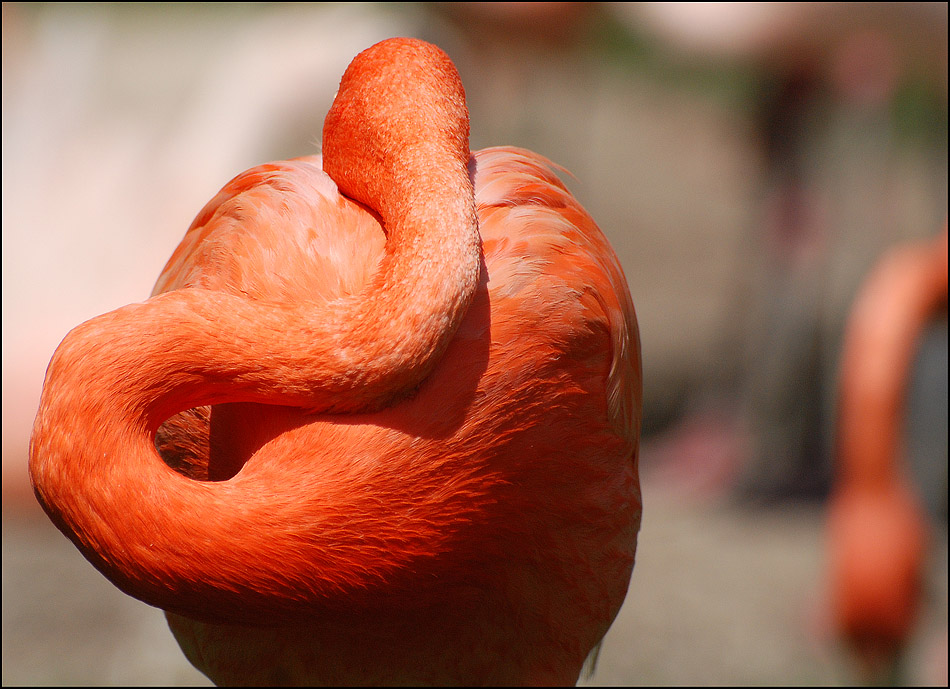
[379, 421]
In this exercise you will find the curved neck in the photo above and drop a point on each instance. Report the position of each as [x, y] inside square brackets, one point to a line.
[901, 295]
[396, 140]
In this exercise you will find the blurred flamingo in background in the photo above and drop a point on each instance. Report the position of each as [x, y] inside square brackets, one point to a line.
[398, 404]
[828, 81]
[877, 526]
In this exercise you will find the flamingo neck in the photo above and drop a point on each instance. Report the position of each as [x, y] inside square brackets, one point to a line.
[396, 140]
[905, 290]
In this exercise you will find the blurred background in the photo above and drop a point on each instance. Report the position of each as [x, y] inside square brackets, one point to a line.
[749, 162]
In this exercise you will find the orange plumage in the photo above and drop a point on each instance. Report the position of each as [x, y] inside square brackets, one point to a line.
[400, 400]
[877, 529]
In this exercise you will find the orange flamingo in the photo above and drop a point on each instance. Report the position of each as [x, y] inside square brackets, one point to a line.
[877, 528]
[398, 399]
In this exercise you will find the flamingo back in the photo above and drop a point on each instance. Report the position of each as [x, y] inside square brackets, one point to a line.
[520, 449]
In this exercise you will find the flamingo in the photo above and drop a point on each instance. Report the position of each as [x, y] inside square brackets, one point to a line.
[397, 392]
[877, 528]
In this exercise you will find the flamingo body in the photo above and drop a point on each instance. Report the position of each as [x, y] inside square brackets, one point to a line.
[471, 521]
[877, 528]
